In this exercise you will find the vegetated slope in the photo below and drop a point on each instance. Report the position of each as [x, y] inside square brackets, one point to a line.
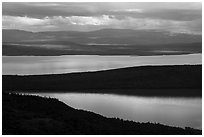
[32, 115]
[186, 80]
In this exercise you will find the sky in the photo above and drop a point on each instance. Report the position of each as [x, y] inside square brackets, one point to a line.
[68, 16]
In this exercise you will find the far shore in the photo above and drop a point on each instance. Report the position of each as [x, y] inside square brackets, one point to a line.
[176, 81]
[125, 92]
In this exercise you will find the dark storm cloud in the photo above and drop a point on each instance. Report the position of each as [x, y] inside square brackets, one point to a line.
[41, 10]
[170, 14]
[174, 17]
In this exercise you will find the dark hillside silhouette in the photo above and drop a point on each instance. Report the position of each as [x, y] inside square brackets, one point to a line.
[32, 115]
[181, 80]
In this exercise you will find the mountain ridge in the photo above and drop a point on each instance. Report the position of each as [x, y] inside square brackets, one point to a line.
[100, 42]
[106, 29]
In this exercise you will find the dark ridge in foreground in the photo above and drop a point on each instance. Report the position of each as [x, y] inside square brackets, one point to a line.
[178, 80]
[32, 115]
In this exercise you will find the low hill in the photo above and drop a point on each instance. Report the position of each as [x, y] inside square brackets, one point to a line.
[178, 80]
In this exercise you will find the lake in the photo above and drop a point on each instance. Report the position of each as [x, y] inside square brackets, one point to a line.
[32, 65]
[182, 112]
[173, 111]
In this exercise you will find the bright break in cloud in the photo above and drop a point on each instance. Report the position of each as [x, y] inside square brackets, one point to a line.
[171, 17]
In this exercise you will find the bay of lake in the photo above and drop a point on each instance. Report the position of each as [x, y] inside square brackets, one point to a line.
[33, 65]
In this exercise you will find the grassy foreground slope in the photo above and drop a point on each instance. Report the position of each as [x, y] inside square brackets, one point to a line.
[36, 115]
[180, 80]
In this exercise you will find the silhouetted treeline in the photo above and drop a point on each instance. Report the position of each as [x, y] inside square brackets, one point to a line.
[179, 80]
[23, 114]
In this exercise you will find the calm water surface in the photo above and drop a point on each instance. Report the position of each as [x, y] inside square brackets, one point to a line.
[170, 111]
[180, 112]
[31, 65]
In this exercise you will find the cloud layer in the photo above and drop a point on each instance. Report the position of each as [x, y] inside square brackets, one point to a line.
[93, 16]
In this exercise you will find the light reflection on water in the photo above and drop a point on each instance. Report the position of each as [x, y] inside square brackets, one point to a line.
[79, 63]
[182, 112]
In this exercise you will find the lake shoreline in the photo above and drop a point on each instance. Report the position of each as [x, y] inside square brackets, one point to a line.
[128, 92]
[181, 80]
[40, 65]
[57, 118]
[110, 55]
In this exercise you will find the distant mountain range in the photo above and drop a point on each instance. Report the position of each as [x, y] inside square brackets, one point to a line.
[100, 42]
